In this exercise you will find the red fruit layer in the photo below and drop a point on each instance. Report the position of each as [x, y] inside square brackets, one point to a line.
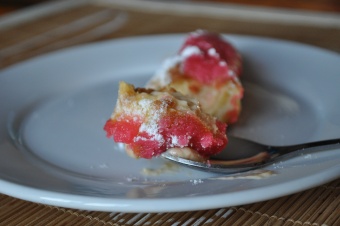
[189, 131]
[123, 130]
[218, 60]
[175, 131]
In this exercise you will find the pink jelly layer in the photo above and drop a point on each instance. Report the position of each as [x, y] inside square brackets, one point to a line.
[217, 60]
[175, 131]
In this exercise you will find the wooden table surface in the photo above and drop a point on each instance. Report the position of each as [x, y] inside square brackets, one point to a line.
[32, 32]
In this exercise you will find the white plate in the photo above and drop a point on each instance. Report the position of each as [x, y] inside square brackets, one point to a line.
[54, 151]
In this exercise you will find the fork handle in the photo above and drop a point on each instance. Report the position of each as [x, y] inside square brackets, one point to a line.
[311, 147]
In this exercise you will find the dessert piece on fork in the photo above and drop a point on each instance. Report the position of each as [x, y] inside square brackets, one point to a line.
[186, 105]
[151, 122]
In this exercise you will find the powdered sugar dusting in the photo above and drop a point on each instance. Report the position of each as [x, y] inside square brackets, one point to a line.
[144, 103]
[232, 73]
[162, 74]
[189, 51]
[198, 32]
[212, 52]
[196, 181]
[151, 125]
[223, 64]
[175, 141]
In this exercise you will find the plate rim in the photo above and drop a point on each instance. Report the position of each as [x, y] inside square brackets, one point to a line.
[70, 204]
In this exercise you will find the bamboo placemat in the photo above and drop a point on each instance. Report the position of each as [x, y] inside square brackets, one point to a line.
[315, 207]
[93, 21]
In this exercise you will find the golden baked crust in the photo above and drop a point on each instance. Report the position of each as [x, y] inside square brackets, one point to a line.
[219, 99]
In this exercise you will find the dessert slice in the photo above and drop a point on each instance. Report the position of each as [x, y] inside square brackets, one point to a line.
[151, 122]
[208, 68]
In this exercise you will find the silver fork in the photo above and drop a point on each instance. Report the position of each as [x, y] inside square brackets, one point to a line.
[257, 155]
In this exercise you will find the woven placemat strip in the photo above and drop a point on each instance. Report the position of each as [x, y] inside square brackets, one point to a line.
[317, 206]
